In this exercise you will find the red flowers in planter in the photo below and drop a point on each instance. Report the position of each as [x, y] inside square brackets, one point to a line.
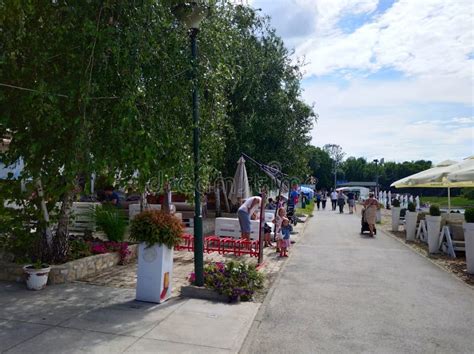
[109, 246]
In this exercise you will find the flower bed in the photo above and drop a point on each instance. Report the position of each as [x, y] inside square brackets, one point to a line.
[106, 257]
[235, 280]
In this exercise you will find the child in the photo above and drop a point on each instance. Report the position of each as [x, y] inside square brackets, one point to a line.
[277, 221]
[286, 229]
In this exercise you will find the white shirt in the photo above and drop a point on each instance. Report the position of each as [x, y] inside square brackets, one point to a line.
[247, 205]
[333, 195]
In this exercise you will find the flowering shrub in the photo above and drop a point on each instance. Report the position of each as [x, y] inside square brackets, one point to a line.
[233, 279]
[156, 227]
[107, 247]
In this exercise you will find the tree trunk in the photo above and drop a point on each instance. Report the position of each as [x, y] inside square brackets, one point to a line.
[60, 244]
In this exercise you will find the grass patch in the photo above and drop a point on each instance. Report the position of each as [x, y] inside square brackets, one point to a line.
[459, 202]
[308, 210]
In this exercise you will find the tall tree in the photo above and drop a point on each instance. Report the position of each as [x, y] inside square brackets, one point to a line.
[337, 155]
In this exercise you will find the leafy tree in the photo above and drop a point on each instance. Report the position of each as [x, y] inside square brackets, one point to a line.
[320, 166]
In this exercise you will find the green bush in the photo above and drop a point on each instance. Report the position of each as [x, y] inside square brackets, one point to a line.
[156, 227]
[396, 203]
[469, 215]
[233, 279]
[468, 193]
[109, 220]
[79, 249]
[434, 210]
[411, 207]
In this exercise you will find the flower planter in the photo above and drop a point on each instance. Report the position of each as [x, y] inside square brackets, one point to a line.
[395, 218]
[469, 239]
[411, 218]
[36, 279]
[154, 274]
[433, 224]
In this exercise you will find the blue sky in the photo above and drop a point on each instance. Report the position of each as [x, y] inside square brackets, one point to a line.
[388, 78]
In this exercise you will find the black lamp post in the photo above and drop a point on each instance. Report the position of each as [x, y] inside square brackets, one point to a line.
[191, 13]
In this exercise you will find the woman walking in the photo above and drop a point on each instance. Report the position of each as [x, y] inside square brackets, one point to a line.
[341, 201]
[370, 212]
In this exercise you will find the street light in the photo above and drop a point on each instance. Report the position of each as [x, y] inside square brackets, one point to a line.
[191, 13]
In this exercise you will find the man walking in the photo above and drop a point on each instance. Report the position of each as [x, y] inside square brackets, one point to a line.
[334, 199]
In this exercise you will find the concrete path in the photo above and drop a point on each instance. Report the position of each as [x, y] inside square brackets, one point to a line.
[344, 293]
[81, 318]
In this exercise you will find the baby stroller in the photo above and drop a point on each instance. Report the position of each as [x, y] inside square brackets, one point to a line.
[291, 213]
[365, 225]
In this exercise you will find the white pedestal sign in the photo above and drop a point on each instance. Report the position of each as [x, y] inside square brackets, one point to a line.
[154, 274]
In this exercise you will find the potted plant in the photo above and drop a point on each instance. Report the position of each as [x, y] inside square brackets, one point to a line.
[433, 225]
[157, 232]
[395, 214]
[411, 218]
[36, 275]
[468, 227]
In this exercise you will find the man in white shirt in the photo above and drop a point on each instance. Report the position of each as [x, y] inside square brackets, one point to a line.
[245, 212]
[334, 199]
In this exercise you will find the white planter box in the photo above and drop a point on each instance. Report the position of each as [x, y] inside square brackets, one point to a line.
[469, 239]
[154, 274]
[410, 225]
[395, 218]
[433, 224]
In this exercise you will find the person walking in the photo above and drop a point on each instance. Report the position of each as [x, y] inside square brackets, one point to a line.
[351, 201]
[318, 199]
[324, 198]
[334, 199]
[341, 201]
[370, 212]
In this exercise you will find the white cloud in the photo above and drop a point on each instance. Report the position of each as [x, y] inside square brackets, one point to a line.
[415, 37]
[429, 42]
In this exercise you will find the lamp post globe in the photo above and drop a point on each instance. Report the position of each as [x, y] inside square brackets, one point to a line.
[191, 13]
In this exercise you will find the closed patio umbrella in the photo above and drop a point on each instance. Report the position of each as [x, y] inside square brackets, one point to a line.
[240, 189]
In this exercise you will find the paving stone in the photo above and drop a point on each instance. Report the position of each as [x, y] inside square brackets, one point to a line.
[14, 332]
[67, 340]
[159, 346]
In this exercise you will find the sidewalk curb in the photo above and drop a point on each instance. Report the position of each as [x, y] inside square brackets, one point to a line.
[259, 316]
[389, 234]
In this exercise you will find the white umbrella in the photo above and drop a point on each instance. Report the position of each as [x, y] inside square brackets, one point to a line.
[240, 186]
[462, 174]
[447, 174]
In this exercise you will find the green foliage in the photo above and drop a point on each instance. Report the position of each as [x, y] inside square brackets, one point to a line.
[78, 249]
[468, 193]
[233, 279]
[469, 215]
[156, 227]
[411, 207]
[110, 220]
[320, 166]
[396, 203]
[434, 210]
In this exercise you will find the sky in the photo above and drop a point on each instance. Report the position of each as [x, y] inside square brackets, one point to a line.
[389, 79]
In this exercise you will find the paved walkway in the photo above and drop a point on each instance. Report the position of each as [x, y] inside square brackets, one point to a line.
[80, 318]
[341, 292]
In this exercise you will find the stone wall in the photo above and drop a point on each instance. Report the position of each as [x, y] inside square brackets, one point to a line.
[70, 271]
